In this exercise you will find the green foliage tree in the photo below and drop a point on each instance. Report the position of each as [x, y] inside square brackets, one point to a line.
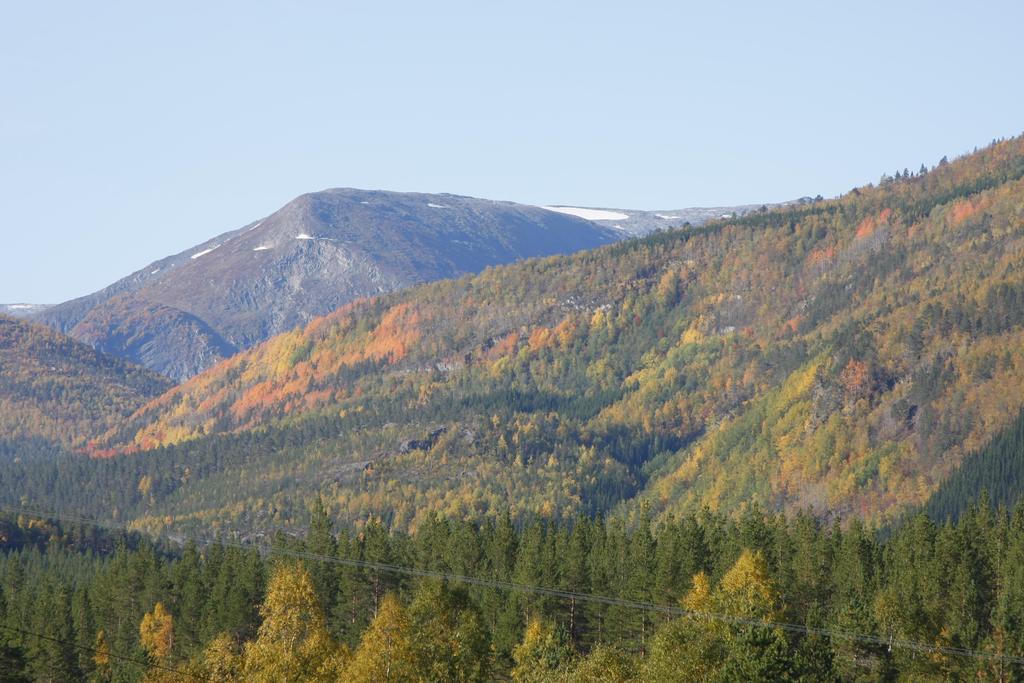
[451, 643]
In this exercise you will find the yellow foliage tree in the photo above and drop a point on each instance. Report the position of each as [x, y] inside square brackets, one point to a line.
[747, 590]
[385, 652]
[292, 643]
[542, 655]
[706, 647]
[221, 660]
[603, 665]
[156, 633]
[101, 658]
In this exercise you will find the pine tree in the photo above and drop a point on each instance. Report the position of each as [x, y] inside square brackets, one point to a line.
[640, 579]
[352, 605]
[187, 601]
[376, 547]
[13, 667]
[854, 584]
[53, 657]
[85, 629]
[573, 550]
[501, 608]
[320, 540]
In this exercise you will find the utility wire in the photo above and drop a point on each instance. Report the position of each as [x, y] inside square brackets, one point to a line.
[672, 610]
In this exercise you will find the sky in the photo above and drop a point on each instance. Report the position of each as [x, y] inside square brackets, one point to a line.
[130, 131]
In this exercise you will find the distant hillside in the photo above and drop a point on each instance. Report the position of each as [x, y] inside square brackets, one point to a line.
[845, 356]
[184, 313]
[59, 391]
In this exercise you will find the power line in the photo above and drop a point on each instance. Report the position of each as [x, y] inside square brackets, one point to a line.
[671, 610]
[647, 606]
[109, 653]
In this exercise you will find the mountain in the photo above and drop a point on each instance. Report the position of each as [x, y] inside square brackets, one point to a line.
[844, 356]
[638, 223]
[58, 391]
[186, 312]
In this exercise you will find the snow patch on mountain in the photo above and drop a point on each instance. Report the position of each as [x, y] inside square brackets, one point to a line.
[204, 252]
[589, 214]
[22, 310]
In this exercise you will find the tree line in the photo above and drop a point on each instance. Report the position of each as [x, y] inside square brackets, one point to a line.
[757, 596]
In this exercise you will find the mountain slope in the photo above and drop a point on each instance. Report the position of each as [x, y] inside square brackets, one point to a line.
[844, 355]
[57, 390]
[184, 313]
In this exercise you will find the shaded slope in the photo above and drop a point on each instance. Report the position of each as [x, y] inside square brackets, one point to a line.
[996, 470]
[56, 390]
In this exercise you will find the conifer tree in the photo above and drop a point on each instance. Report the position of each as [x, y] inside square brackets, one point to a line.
[352, 603]
[85, 630]
[53, 657]
[188, 601]
[13, 667]
[320, 540]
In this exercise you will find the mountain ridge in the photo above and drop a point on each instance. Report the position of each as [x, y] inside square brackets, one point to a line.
[319, 251]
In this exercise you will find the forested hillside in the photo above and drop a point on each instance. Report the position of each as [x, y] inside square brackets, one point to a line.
[758, 597]
[56, 391]
[997, 471]
[842, 356]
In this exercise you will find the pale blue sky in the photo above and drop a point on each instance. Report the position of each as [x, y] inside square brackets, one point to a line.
[129, 132]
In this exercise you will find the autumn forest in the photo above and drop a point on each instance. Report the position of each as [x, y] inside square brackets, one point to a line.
[785, 445]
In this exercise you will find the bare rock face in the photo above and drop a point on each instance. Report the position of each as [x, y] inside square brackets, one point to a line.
[182, 314]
